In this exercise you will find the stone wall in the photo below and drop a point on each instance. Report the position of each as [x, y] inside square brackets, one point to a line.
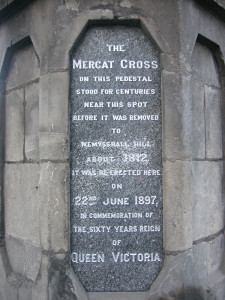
[36, 38]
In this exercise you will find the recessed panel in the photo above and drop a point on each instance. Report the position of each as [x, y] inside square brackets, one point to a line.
[116, 164]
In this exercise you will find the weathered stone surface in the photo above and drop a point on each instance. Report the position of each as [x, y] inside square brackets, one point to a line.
[2, 131]
[9, 292]
[62, 14]
[209, 72]
[169, 62]
[198, 131]
[54, 146]
[22, 201]
[54, 102]
[215, 254]
[25, 290]
[177, 115]
[16, 253]
[14, 126]
[20, 72]
[174, 25]
[207, 199]
[78, 288]
[216, 285]
[60, 285]
[32, 122]
[69, 18]
[3, 278]
[54, 213]
[206, 265]
[32, 260]
[40, 288]
[213, 116]
[185, 275]
[177, 205]
[32, 147]
[162, 28]
[9, 281]
[171, 280]
[197, 21]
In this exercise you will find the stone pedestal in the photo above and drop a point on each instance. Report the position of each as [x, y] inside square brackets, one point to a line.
[40, 134]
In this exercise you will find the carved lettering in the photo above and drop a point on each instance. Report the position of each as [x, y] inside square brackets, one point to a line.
[115, 161]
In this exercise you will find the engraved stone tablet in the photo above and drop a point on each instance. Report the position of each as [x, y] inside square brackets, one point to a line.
[116, 164]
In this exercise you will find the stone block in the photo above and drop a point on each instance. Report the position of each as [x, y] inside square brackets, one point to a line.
[14, 125]
[207, 199]
[207, 260]
[200, 264]
[59, 283]
[74, 16]
[2, 277]
[217, 283]
[24, 67]
[177, 111]
[223, 113]
[10, 292]
[213, 117]
[78, 288]
[177, 205]
[40, 287]
[2, 119]
[32, 122]
[32, 148]
[165, 24]
[169, 62]
[25, 291]
[215, 252]
[54, 181]
[206, 72]
[32, 260]
[1, 209]
[185, 276]
[22, 201]
[54, 146]
[187, 114]
[71, 4]
[198, 129]
[54, 102]
[16, 253]
[171, 279]
[8, 280]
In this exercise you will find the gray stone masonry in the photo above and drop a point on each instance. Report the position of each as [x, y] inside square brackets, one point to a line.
[32, 122]
[14, 123]
[36, 39]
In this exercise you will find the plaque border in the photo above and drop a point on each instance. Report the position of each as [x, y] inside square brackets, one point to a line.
[159, 43]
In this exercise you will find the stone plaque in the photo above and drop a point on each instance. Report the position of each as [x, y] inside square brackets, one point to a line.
[116, 164]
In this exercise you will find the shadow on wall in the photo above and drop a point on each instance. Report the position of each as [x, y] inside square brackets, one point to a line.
[189, 293]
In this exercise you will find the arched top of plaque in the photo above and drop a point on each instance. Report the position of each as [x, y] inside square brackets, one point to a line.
[116, 159]
[129, 25]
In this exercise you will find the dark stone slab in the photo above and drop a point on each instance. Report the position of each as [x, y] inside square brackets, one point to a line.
[116, 166]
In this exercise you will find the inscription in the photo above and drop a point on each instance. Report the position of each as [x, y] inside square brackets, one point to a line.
[117, 257]
[130, 91]
[124, 64]
[116, 166]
